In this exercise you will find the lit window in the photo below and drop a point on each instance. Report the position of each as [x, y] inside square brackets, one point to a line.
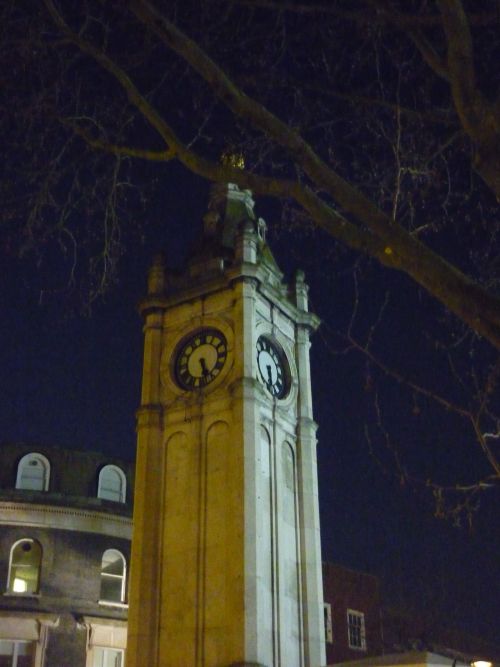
[24, 567]
[112, 484]
[356, 630]
[327, 610]
[15, 653]
[33, 473]
[107, 657]
[112, 577]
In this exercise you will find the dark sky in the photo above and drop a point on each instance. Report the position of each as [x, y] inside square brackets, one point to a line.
[74, 381]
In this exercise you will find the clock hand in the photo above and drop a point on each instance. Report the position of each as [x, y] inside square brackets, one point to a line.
[204, 369]
[269, 376]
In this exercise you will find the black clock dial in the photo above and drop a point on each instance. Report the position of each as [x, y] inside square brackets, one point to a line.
[273, 368]
[200, 359]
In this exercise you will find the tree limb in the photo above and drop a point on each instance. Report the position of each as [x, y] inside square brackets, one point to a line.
[119, 150]
[460, 63]
[383, 14]
[390, 244]
[465, 298]
[429, 54]
[480, 118]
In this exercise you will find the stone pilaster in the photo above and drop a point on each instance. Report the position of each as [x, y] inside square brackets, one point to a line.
[310, 546]
[144, 601]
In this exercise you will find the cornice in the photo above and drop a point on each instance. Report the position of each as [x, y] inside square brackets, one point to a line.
[65, 518]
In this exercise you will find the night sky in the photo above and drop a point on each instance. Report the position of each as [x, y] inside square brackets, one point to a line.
[74, 381]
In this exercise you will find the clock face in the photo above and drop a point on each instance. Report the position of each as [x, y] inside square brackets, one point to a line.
[200, 359]
[273, 368]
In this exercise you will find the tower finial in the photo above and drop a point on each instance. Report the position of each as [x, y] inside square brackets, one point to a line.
[231, 158]
[156, 275]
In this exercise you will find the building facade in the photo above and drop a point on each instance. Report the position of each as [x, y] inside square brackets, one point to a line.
[65, 531]
[353, 623]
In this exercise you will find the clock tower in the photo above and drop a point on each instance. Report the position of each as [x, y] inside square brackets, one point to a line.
[226, 562]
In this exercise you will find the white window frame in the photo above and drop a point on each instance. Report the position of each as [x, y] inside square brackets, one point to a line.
[25, 461]
[123, 482]
[14, 656]
[121, 602]
[327, 613]
[10, 590]
[358, 616]
[103, 633]
[106, 649]
[16, 627]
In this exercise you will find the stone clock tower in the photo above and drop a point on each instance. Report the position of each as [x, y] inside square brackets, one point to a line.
[226, 563]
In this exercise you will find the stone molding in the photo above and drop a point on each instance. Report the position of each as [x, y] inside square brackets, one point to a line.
[25, 625]
[65, 518]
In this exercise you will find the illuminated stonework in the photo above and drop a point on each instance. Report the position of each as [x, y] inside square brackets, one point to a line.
[226, 565]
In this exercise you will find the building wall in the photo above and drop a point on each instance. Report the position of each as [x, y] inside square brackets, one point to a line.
[67, 643]
[65, 619]
[345, 590]
[73, 473]
[406, 629]
[70, 572]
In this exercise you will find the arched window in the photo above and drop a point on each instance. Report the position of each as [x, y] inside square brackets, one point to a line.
[33, 472]
[24, 567]
[113, 572]
[112, 484]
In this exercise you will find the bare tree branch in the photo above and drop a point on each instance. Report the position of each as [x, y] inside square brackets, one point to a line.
[390, 244]
[435, 62]
[461, 63]
[383, 14]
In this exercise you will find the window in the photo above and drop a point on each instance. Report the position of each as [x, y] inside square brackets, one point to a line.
[327, 610]
[33, 473]
[107, 641]
[24, 567]
[15, 653]
[107, 657]
[356, 630]
[112, 484]
[112, 577]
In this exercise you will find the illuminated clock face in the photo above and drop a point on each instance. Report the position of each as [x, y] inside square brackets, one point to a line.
[273, 368]
[200, 359]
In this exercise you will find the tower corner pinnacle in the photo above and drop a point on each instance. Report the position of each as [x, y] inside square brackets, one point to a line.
[301, 291]
[156, 276]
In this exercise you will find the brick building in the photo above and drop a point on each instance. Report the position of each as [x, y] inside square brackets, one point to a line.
[352, 614]
[65, 533]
